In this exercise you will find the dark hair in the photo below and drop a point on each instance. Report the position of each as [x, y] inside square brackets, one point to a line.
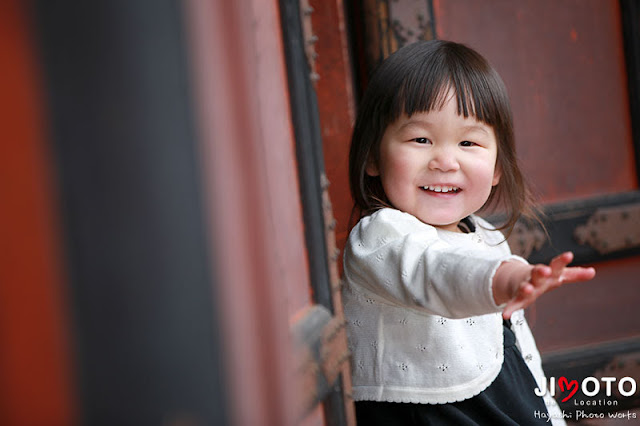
[417, 78]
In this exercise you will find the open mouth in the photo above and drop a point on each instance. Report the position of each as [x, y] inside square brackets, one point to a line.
[441, 189]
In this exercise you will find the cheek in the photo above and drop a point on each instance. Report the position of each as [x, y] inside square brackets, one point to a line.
[397, 173]
[485, 174]
[396, 164]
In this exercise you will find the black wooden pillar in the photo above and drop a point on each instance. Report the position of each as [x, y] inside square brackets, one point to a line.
[123, 144]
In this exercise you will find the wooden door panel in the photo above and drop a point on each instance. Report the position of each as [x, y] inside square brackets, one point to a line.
[600, 311]
[319, 334]
[563, 64]
[254, 198]
[336, 109]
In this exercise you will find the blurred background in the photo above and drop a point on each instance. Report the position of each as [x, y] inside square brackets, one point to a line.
[174, 196]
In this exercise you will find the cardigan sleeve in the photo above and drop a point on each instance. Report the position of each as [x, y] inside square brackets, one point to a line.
[402, 260]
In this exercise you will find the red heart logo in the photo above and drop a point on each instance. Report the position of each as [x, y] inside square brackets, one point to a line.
[564, 383]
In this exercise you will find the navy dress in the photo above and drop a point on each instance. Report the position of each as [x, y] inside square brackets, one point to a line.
[509, 400]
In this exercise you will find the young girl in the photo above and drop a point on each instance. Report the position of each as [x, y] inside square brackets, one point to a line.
[433, 295]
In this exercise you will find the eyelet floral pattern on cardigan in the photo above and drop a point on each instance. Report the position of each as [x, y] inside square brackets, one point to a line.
[426, 330]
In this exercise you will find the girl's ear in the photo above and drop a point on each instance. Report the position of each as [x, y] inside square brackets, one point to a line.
[372, 167]
[496, 175]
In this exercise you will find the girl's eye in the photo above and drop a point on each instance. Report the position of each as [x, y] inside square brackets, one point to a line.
[467, 143]
[421, 140]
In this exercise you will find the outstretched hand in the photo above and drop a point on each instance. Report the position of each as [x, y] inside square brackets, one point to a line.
[519, 285]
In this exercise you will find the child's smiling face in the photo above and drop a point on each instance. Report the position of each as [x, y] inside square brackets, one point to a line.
[438, 166]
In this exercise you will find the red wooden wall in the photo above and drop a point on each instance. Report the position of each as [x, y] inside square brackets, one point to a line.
[37, 386]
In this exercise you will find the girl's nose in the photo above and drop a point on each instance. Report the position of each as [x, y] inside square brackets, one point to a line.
[443, 160]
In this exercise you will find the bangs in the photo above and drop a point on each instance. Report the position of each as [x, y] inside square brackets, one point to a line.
[450, 71]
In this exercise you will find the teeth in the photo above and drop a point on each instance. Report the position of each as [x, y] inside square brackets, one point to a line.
[441, 188]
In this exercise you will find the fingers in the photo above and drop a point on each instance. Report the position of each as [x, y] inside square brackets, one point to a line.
[545, 278]
[529, 291]
[508, 311]
[523, 298]
[559, 263]
[540, 272]
[577, 274]
[564, 274]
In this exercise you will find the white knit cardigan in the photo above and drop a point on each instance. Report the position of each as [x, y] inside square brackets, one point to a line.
[422, 322]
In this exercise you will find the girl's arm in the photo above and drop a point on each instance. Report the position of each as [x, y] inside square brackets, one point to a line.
[398, 259]
[518, 284]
